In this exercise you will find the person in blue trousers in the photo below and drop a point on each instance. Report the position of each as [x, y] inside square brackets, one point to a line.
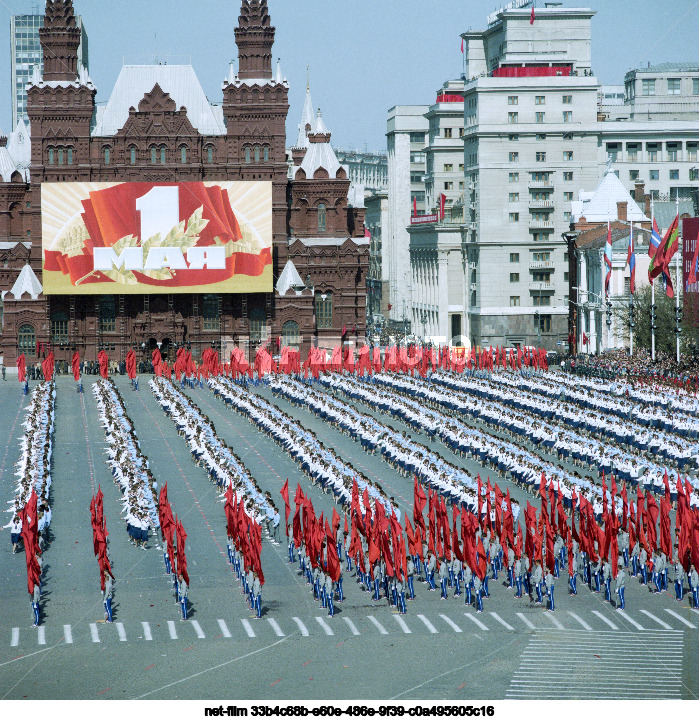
[549, 589]
[478, 588]
[679, 581]
[517, 573]
[694, 585]
[401, 597]
[35, 603]
[468, 583]
[107, 596]
[621, 586]
[257, 596]
[537, 580]
[410, 569]
[182, 585]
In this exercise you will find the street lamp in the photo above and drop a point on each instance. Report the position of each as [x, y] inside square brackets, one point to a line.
[423, 320]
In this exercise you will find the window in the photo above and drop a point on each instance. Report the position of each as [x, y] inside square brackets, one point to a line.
[674, 175]
[695, 86]
[648, 87]
[567, 216]
[265, 154]
[448, 168]
[541, 256]
[541, 276]
[153, 156]
[322, 218]
[567, 99]
[132, 155]
[514, 217]
[247, 153]
[257, 153]
[26, 340]
[183, 154]
[568, 176]
[514, 277]
[672, 152]
[50, 156]
[512, 117]
[417, 157]
[210, 313]
[567, 155]
[512, 99]
[514, 197]
[290, 334]
[694, 173]
[565, 257]
[565, 275]
[461, 132]
[448, 132]
[542, 323]
[461, 185]
[514, 257]
[449, 185]
[541, 237]
[514, 177]
[652, 149]
[541, 156]
[633, 174]
[60, 156]
[568, 195]
[514, 157]
[209, 154]
[107, 314]
[106, 156]
[539, 117]
[162, 156]
[513, 138]
[258, 326]
[417, 138]
[59, 326]
[540, 136]
[567, 116]
[632, 156]
[540, 100]
[539, 300]
[673, 86]
[461, 167]
[514, 301]
[655, 175]
[324, 310]
[416, 177]
[70, 156]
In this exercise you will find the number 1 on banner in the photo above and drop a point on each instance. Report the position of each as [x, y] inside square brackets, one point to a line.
[160, 211]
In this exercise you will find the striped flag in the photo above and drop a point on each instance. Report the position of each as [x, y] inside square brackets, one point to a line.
[631, 262]
[608, 259]
[666, 250]
[655, 240]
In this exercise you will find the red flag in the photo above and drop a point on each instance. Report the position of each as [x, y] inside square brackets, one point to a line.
[531, 17]
[103, 363]
[22, 368]
[287, 505]
[75, 365]
[333, 563]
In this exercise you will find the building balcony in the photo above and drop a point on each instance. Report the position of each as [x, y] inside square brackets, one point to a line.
[540, 203]
[541, 265]
[540, 183]
[540, 224]
[545, 287]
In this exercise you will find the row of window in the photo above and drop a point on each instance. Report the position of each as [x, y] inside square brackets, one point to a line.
[674, 86]
[540, 117]
[540, 177]
[541, 156]
[539, 99]
[542, 197]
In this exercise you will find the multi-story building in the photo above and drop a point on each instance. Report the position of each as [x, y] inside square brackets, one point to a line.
[26, 53]
[159, 128]
[406, 140]
[367, 169]
[377, 283]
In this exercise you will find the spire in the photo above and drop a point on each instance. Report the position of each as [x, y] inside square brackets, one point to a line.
[278, 78]
[254, 37]
[305, 126]
[60, 39]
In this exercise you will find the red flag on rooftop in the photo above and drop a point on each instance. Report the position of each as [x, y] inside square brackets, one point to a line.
[531, 17]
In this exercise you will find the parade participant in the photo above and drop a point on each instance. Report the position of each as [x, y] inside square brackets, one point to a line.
[537, 580]
[694, 585]
[443, 573]
[107, 595]
[518, 578]
[620, 586]
[607, 576]
[35, 597]
[549, 588]
[679, 581]
[468, 583]
[15, 526]
[410, 572]
[478, 587]
[257, 595]
[182, 595]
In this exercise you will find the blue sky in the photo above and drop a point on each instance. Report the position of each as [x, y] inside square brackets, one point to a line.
[365, 55]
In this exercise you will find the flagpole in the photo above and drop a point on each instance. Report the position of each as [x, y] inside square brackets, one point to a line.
[652, 293]
[677, 282]
[631, 303]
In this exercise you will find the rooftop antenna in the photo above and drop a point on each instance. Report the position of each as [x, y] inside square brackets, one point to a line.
[308, 78]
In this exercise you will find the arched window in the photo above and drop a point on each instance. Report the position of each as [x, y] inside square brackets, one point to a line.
[210, 154]
[290, 334]
[70, 156]
[107, 314]
[210, 314]
[183, 154]
[247, 153]
[106, 156]
[322, 218]
[132, 155]
[60, 156]
[153, 155]
[162, 155]
[59, 326]
[266, 155]
[257, 153]
[258, 326]
[51, 156]
[26, 340]
[324, 310]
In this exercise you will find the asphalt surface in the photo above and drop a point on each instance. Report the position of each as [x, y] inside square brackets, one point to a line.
[439, 650]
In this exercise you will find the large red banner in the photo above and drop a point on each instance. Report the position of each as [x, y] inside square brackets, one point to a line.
[128, 238]
[690, 254]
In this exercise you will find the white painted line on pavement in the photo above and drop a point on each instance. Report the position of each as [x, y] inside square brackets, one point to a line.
[198, 629]
[549, 615]
[526, 621]
[68, 634]
[15, 637]
[584, 624]
[382, 630]
[664, 625]
[146, 631]
[276, 627]
[224, 628]
[172, 629]
[324, 626]
[93, 633]
[301, 625]
[402, 624]
[679, 618]
[476, 621]
[625, 615]
[120, 630]
[353, 628]
[41, 636]
[609, 623]
[427, 623]
[450, 622]
[247, 627]
[500, 620]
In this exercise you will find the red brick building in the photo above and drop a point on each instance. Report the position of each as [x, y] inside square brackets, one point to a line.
[158, 126]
